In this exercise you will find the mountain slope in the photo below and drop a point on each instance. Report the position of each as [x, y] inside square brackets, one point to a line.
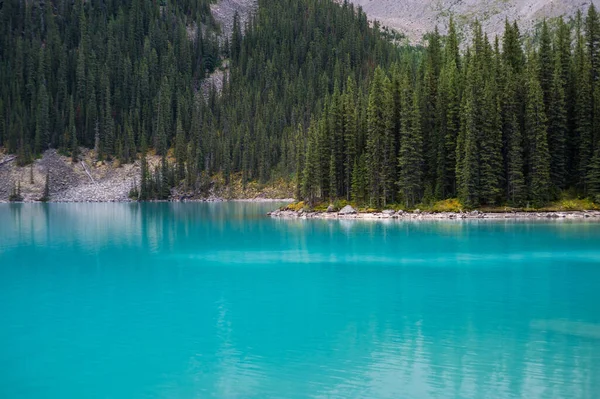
[417, 17]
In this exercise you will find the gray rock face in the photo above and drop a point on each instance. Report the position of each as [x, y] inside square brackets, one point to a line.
[417, 17]
[330, 208]
[347, 210]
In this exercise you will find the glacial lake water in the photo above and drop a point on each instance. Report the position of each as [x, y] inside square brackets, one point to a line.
[188, 300]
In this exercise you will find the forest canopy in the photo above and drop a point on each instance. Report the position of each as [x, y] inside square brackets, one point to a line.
[313, 92]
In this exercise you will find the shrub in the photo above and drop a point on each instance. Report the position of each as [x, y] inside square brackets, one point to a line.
[449, 205]
[296, 206]
[15, 195]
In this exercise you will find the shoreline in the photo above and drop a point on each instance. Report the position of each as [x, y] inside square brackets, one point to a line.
[205, 200]
[418, 215]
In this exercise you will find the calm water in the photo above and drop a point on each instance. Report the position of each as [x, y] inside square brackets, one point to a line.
[218, 301]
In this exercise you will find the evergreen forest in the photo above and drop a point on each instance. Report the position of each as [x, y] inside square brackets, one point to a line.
[313, 93]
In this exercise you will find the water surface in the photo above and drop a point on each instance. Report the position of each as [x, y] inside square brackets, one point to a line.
[219, 301]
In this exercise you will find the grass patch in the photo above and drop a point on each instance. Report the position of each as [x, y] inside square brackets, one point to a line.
[572, 204]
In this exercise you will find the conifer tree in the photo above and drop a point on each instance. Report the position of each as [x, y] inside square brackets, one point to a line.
[46, 193]
[311, 176]
[593, 176]
[546, 62]
[490, 156]
[467, 149]
[180, 150]
[582, 111]
[145, 173]
[359, 180]
[536, 126]
[350, 139]
[515, 178]
[165, 184]
[410, 159]
[380, 141]
[557, 129]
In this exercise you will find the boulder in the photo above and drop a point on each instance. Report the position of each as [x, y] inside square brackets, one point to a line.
[388, 212]
[347, 210]
[330, 208]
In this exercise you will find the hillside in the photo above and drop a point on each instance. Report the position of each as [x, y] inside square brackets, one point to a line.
[417, 17]
[312, 95]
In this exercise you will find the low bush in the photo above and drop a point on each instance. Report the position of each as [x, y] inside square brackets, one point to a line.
[448, 205]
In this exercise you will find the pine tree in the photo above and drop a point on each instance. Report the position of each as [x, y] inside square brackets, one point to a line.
[410, 159]
[512, 50]
[165, 186]
[350, 134]
[332, 177]
[46, 194]
[310, 175]
[164, 115]
[359, 180]
[236, 38]
[108, 126]
[74, 146]
[180, 150]
[593, 176]
[380, 141]
[300, 151]
[592, 36]
[582, 111]
[145, 173]
[516, 190]
[557, 129]
[15, 194]
[490, 155]
[42, 121]
[467, 148]
[535, 124]
[546, 62]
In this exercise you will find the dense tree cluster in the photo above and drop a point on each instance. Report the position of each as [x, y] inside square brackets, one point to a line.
[494, 124]
[103, 75]
[311, 91]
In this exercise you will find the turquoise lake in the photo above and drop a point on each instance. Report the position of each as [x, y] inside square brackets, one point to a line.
[188, 300]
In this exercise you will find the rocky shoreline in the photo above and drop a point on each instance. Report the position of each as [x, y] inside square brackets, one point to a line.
[348, 213]
[92, 181]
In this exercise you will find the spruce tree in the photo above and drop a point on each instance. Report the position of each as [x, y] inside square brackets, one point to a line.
[180, 150]
[546, 62]
[350, 139]
[516, 191]
[310, 175]
[557, 129]
[46, 193]
[582, 112]
[467, 149]
[145, 173]
[490, 155]
[165, 184]
[536, 126]
[380, 140]
[410, 159]
[593, 176]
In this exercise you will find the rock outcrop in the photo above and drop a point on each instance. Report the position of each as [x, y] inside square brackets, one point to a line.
[417, 17]
[347, 210]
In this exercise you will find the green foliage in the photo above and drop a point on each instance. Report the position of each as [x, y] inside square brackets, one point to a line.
[447, 205]
[15, 194]
[311, 90]
[46, 193]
